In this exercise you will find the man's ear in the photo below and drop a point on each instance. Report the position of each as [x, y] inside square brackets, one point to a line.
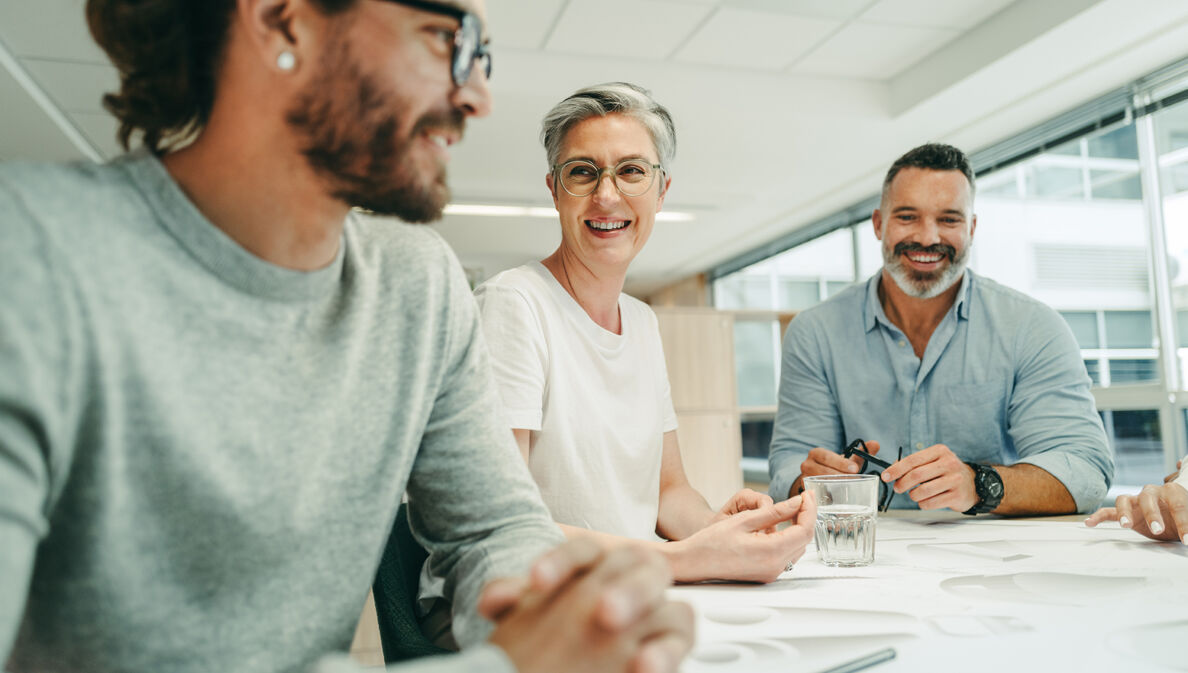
[276, 31]
[876, 218]
[973, 224]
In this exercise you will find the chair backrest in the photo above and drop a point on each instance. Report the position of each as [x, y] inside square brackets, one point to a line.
[395, 590]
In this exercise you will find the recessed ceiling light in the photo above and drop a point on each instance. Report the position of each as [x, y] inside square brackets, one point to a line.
[490, 210]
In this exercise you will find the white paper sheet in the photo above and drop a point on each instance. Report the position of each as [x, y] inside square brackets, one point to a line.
[980, 595]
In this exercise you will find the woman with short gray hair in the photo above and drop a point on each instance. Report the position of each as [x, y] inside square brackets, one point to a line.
[581, 368]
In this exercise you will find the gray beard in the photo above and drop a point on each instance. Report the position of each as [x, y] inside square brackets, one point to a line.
[924, 287]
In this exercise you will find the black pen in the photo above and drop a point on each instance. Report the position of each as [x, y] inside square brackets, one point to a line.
[885, 654]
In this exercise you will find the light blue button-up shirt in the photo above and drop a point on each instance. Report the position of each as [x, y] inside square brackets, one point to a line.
[1001, 382]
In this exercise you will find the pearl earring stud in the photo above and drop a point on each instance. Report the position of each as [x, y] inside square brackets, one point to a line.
[286, 60]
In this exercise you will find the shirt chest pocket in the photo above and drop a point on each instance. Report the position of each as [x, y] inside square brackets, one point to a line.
[970, 418]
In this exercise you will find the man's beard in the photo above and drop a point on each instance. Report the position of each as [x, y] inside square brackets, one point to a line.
[347, 128]
[925, 284]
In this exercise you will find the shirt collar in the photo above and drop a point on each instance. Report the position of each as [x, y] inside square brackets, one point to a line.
[874, 313]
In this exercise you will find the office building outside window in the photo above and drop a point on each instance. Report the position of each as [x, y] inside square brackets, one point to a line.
[1095, 227]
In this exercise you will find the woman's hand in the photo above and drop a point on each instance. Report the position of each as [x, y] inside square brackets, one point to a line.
[1158, 512]
[746, 545]
[743, 501]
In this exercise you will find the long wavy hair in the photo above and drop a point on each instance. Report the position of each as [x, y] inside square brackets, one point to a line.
[168, 53]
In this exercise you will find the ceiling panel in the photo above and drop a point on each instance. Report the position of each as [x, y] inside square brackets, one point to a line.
[76, 87]
[48, 29]
[873, 51]
[963, 14]
[100, 128]
[773, 40]
[522, 25]
[822, 9]
[28, 131]
[649, 29]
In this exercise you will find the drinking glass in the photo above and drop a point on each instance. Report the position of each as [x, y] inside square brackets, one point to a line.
[846, 515]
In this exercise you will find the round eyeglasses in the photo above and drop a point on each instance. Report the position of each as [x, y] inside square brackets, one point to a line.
[469, 47]
[632, 177]
[468, 50]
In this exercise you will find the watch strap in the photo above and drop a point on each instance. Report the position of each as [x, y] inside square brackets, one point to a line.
[981, 507]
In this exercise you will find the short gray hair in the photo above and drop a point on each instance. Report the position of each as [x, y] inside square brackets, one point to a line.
[601, 100]
[932, 157]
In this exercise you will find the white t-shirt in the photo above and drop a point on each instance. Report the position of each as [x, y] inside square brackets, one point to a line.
[1182, 478]
[597, 403]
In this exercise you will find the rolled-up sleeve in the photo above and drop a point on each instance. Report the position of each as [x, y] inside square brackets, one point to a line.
[808, 415]
[1052, 418]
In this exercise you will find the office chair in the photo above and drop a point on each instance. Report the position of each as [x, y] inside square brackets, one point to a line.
[395, 592]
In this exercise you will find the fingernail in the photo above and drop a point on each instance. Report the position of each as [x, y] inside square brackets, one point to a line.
[1156, 527]
[851, 468]
[546, 572]
[884, 477]
[655, 659]
[1124, 522]
[1185, 539]
[618, 608]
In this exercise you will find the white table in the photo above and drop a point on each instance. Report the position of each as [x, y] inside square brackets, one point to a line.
[960, 594]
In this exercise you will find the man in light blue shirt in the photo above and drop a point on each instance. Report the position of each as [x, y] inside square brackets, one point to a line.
[982, 387]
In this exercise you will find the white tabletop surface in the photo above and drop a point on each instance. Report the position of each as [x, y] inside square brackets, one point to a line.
[964, 595]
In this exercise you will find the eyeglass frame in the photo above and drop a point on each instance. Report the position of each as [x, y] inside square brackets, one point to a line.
[658, 169]
[460, 68]
[886, 493]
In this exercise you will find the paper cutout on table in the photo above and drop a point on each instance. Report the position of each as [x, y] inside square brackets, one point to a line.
[977, 626]
[735, 623]
[730, 653]
[909, 538]
[1158, 644]
[808, 653]
[1042, 587]
[741, 616]
[1143, 544]
[818, 650]
[989, 550]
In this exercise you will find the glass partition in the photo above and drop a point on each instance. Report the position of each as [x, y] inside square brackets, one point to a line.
[1090, 227]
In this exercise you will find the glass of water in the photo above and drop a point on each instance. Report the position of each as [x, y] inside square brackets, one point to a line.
[845, 518]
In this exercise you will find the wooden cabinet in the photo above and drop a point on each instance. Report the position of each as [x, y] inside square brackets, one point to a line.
[699, 353]
[366, 649]
[711, 447]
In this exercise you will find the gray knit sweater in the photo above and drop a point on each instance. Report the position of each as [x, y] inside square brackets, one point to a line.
[201, 454]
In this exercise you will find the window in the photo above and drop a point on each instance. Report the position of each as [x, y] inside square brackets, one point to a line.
[756, 433]
[1084, 227]
[756, 360]
[1084, 327]
[793, 280]
[1079, 247]
[1128, 329]
[1137, 443]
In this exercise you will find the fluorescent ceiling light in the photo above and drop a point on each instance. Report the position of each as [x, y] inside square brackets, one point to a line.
[483, 210]
[498, 211]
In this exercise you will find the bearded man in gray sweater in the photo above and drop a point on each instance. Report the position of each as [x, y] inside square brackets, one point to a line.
[216, 383]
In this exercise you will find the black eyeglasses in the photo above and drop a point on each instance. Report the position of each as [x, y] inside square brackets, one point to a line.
[468, 39]
[873, 465]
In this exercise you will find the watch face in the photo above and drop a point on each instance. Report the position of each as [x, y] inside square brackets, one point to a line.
[994, 488]
[989, 485]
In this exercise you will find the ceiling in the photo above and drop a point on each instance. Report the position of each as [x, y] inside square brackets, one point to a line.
[786, 110]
